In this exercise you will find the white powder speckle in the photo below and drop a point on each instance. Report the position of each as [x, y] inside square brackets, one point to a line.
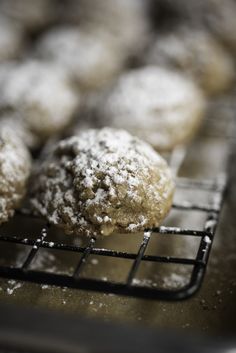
[175, 280]
[207, 240]
[94, 261]
[9, 291]
[14, 285]
[210, 224]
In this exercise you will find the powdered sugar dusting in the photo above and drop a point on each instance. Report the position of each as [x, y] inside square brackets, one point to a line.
[14, 171]
[102, 180]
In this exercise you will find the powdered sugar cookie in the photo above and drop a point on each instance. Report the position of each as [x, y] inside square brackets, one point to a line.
[198, 54]
[101, 182]
[90, 57]
[41, 95]
[15, 165]
[158, 105]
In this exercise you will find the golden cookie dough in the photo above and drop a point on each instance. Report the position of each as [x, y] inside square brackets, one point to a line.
[196, 53]
[89, 56]
[103, 181]
[11, 39]
[15, 165]
[41, 95]
[160, 106]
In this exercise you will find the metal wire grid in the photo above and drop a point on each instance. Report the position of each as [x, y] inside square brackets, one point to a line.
[130, 287]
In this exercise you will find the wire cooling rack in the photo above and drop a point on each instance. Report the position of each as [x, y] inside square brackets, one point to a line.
[131, 285]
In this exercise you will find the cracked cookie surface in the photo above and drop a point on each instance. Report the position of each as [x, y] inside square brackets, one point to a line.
[101, 182]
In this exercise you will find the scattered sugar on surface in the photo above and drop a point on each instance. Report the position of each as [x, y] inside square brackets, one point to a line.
[207, 240]
[143, 282]
[175, 281]
[94, 261]
[211, 224]
[44, 260]
[14, 286]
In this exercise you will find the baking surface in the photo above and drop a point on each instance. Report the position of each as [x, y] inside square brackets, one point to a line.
[212, 310]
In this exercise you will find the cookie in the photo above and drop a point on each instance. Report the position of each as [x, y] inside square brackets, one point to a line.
[103, 181]
[90, 57]
[160, 106]
[41, 95]
[198, 54]
[15, 166]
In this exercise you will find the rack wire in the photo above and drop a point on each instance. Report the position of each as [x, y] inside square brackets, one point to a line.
[196, 265]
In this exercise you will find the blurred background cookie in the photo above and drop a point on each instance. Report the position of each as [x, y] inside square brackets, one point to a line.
[197, 53]
[125, 21]
[41, 95]
[13, 121]
[160, 106]
[15, 166]
[217, 16]
[90, 57]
